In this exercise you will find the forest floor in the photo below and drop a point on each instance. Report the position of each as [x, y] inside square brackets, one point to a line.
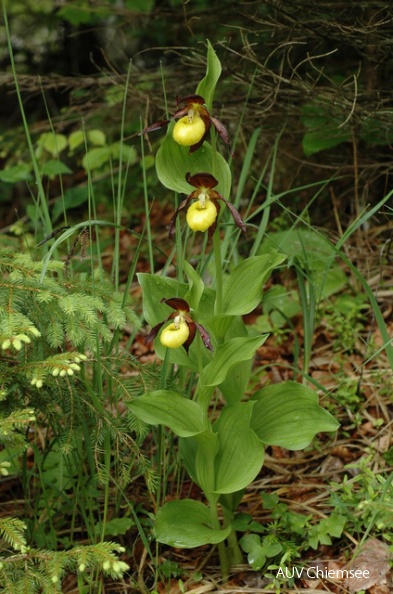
[348, 472]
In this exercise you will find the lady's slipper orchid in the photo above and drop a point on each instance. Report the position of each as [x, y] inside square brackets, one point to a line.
[193, 123]
[202, 215]
[182, 330]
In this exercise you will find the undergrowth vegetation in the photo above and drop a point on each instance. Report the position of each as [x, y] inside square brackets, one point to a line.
[195, 347]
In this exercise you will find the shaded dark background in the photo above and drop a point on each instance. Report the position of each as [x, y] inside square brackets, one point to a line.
[293, 68]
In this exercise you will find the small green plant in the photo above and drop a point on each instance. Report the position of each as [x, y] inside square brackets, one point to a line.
[222, 448]
[345, 318]
[286, 536]
[364, 500]
[318, 277]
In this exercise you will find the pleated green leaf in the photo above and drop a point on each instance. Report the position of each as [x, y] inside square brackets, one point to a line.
[236, 382]
[228, 354]
[164, 407]
[288, 415]
[154, 289]
[187, 524]
[240, 452]
[173, 162]
[242, 291]
[205, 453]
[195, 292]
[207, 86]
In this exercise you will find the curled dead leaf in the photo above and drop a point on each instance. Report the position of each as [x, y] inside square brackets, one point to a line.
[372, 565]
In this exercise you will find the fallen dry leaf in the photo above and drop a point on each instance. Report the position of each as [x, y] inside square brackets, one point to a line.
[372, 563]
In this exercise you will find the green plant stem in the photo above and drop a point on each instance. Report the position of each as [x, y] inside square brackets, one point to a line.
[119, 200]
[234, 551]
[179, 246]
[222, 551]
[40, 188]
[269, 198]
[54, 136]
[160, 492]
[216, 237]
[147, 209]
[307, 300]
[107, 465]
[203, 258]
[160, 436]
[199, 357]
[164, 90]
[218, 268]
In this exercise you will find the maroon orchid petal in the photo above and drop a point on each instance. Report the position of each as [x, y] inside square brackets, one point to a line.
[201, 180]
[156, 126]
[204, 335]
[192, 328]
[196, 146]
[176, 303]
[213, 227]
[234, 212]
[154, 331]
[191, 99]
[219, 126]
[171, 227]
[206, 120]
[180, 113]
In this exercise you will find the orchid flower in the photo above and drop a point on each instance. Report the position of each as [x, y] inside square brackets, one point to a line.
[193, 123]
[182, 330]
[202, 214]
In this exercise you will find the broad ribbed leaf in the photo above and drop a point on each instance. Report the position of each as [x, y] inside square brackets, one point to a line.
[227, 355]
[207, 85]
[238, 377]
[154, 289]
[205, 452]
[187, 524]
[173, 162]
[240, 452]
[236, 382]
[288, 415]
[194, 452]
[196, 286]
[242, 290]
[164, 407]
